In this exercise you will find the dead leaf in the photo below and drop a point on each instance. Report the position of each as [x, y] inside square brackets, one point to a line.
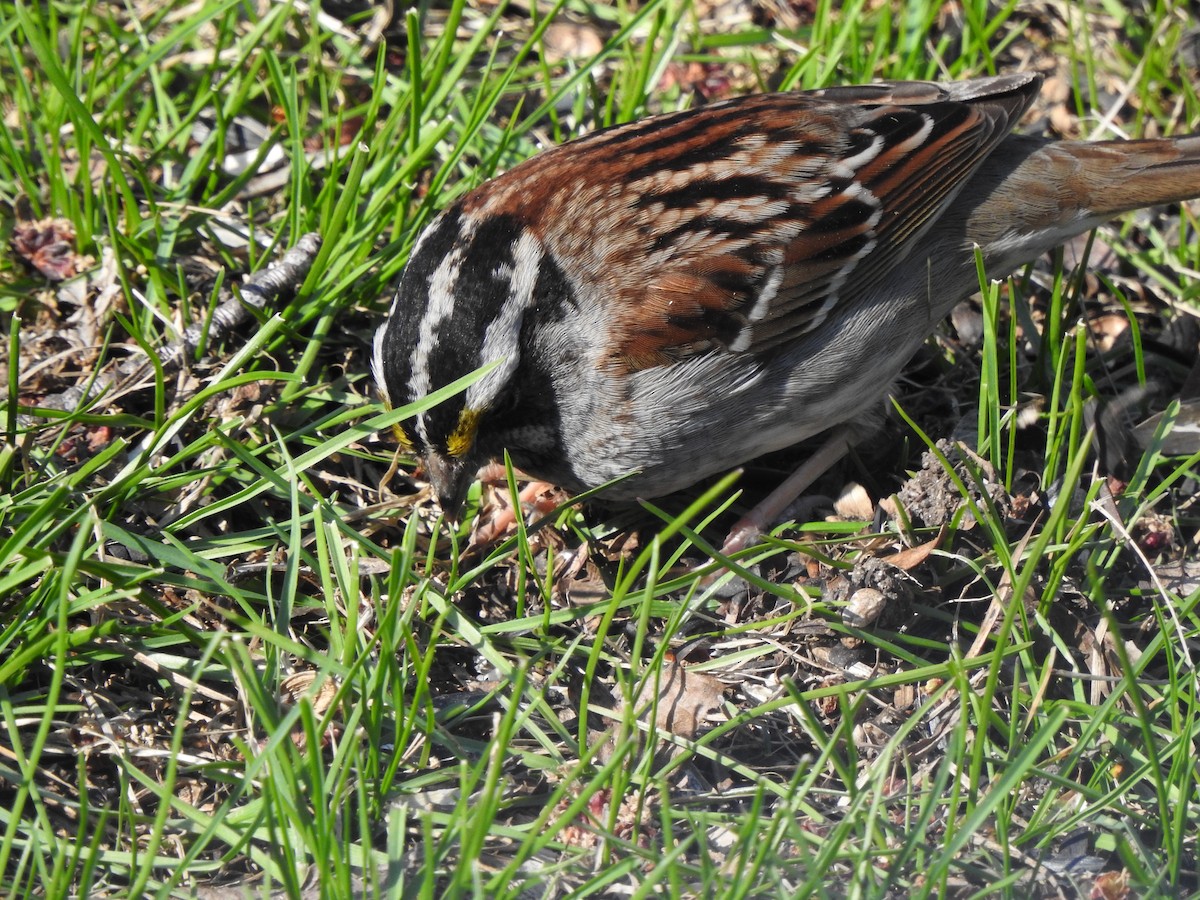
[1106, 329]
[567, 40]
[685, 699]
[911, 557]
[48, 246]
[295, 686]
[854, 503]
[864, 607]
[1111, 886]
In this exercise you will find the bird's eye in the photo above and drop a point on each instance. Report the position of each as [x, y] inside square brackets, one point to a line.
[462, 439]
[402, 438]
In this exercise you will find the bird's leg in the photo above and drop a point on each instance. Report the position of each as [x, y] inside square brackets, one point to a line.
[763, 516]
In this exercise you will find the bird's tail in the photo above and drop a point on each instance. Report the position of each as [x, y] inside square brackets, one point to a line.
[1034, 194]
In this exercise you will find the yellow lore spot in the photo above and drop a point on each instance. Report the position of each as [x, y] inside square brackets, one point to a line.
[403, 439]
[463, 438]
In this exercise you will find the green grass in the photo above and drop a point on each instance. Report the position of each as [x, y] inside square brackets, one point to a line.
[226, 658]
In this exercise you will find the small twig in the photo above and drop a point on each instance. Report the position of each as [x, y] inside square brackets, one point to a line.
[258, 290]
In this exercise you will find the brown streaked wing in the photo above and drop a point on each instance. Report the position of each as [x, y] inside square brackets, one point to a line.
[832, 246]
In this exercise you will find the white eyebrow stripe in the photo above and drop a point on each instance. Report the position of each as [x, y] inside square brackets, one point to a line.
[439, 309]
[377, 360]
[502, 339]
[377, 367]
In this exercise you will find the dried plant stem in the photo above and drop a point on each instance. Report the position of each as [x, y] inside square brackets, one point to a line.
[258, 291]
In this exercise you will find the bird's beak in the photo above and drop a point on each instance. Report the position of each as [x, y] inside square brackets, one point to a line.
[451, 479]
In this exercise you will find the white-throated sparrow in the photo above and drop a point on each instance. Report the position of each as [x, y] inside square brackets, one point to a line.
[679, 295]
